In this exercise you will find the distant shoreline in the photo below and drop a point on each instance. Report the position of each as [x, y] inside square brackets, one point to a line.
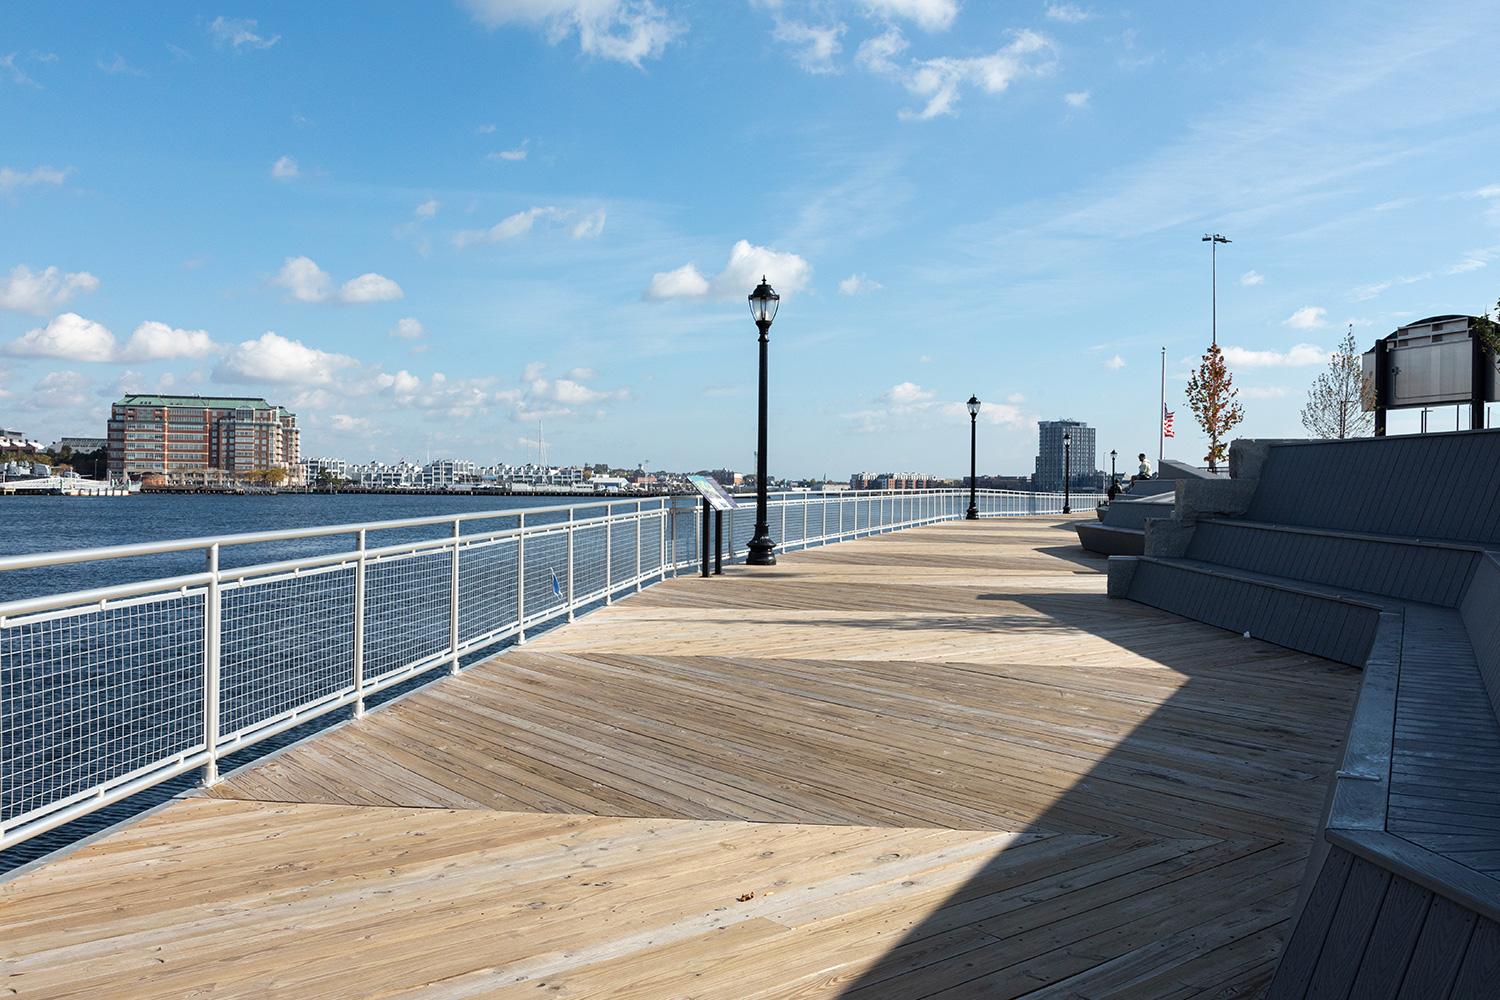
[401, 491]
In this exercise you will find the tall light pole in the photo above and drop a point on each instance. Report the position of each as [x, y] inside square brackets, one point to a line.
[1067, 472]
[1213, 240]
[972, 514]
[761, 551]
[1112, 476]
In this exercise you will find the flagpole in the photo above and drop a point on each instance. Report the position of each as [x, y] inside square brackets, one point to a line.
[1161, 429]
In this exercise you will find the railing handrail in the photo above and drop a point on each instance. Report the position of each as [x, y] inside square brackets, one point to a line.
[64, 557]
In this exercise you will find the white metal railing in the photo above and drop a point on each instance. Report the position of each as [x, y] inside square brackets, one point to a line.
[109, 691]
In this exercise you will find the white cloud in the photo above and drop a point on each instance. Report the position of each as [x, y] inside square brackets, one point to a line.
[483, 129]
[1115, 363]
[816, 45]
[1015, 399]
[506, 229]
[345, 424]
[12, 179]
[1069, 13]
[909, 406]
[929, 15]
[1474, 260]
[1492, 191]
[939, 80]
[62, 391]
[1251, 278]
[305, 281]
[273, 358]
[426, 210]
[1263, 391]
[509, 155]
[787, 272]
[589, 226]
[408, 329]
[39, 292]
[686, 282]
[1298, 356]
[1078, 100]
[1363, 292]
[119, 66]
[583, 373]
[68, 336]
[623, 30]
[905, 393]
[239, 31]
[18, 74]
[73, 338]
[858, 284]
[1307, 318]
[154, 341]
[284, 169]
[370, 287]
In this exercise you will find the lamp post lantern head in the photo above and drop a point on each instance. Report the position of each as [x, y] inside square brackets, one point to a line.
[1067, 438]
[763, 302]
[1214, 238]
[1112, 454]
[973, 405]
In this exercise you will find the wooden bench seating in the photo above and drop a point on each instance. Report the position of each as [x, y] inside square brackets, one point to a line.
[1380, 553]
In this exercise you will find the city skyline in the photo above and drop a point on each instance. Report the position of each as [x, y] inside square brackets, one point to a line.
[429, 229]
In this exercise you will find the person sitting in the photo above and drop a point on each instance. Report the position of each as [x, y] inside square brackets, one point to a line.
[1144, 472]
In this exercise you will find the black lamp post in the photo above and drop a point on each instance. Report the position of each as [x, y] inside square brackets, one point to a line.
[972, 514]
[1067, 472]
[1112, 476]
[761, 551]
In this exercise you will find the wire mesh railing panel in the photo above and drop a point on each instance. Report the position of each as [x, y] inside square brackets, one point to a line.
[406, 609]
[622, 553]
[89, 697]
[588, 560]
[486, 588]
[651, 544]
[546, 572]
[791, 533]
[284, 642]
[683, 535]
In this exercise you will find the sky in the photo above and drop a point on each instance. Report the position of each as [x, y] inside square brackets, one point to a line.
[428, 228]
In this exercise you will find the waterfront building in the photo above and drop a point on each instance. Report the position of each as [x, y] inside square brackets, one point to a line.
[893, 481]
[81, 443]
[446, 473]
[1049, 456]
[313, 468]
[201, 440]
[16, 441]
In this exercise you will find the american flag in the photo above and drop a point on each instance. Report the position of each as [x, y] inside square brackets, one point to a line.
[1166, 421]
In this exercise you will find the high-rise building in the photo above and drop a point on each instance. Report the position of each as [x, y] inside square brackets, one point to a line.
[1049, 455]
[200, 439]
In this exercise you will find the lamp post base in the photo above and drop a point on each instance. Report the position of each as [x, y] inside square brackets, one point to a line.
[761, 551]
[972, 514]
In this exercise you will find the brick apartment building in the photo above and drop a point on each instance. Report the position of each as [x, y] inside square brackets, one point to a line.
[201, 439]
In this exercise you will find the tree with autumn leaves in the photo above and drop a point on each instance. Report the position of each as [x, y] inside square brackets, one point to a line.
[1215, 403]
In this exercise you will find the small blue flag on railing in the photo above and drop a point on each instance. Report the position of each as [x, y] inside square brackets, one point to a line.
[556, 587]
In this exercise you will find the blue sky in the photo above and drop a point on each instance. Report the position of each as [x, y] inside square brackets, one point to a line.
[425, 227]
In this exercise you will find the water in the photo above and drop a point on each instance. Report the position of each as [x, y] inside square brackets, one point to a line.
[52, 524]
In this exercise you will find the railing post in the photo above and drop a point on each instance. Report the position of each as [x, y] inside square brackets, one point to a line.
[673, 517]
[609, 552]
[520, 579]
[211, 632]
[783, 517]
[571, 531]
[661, 544]
[359, 623]
[453, 602]
[806, 502]
[638, 546]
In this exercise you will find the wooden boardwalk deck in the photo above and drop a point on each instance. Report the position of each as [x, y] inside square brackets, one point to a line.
[937, 763]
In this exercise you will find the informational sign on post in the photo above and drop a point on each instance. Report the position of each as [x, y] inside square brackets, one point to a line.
[715, 494]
